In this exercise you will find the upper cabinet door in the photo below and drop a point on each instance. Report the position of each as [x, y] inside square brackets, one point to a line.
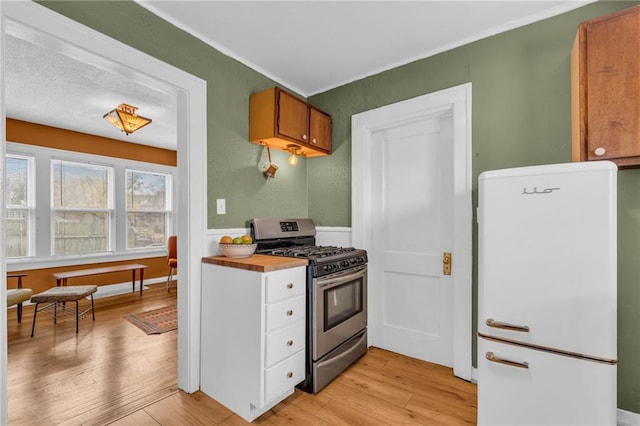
[293, 117]
[319, 130]
[605, 71]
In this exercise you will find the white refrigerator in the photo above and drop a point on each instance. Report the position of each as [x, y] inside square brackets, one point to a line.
[547, 350]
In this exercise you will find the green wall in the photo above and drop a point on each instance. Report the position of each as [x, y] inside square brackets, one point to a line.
[521, 116]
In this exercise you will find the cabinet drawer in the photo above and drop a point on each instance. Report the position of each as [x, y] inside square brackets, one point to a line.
[284, 343]
[283, 376]
[286, 283]
[287, 312]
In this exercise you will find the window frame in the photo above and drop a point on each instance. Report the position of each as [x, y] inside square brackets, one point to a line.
[109, 210]
[30, 208]
[167, 211]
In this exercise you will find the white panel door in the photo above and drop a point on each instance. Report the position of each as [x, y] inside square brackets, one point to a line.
[412, 220]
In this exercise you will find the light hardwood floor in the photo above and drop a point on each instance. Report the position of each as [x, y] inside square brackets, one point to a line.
[113, 373]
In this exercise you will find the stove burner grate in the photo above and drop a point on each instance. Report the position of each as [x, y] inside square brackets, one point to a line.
[312, 252]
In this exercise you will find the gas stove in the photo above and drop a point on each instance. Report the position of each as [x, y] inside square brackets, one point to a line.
[324, 259]
[296, 238]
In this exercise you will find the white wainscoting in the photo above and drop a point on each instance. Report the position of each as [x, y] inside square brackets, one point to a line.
[325, 236]
[627, 418]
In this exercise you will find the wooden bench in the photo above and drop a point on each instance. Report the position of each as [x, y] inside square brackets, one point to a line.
[62, 277]
[62, 294]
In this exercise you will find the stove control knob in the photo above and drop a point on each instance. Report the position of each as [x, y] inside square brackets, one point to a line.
[345, 263]
[328, 267]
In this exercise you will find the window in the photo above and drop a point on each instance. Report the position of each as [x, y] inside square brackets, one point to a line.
[66, 207]
[82, 207]
[148, 208]
[20, 205]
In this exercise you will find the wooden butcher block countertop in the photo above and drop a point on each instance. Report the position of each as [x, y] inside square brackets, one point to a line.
[257, 262]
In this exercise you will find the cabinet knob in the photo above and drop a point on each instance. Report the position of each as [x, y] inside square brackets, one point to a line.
[313, 141]
[289, 374]
[290, 343]
[600, 151]
[289, 312]
[290, 286]
[304, 137]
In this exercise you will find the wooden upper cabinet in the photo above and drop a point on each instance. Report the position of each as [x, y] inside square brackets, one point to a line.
[319, 129]
[278, 119]
[605, 89]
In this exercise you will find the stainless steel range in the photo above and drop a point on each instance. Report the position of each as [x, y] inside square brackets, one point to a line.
[336, 295]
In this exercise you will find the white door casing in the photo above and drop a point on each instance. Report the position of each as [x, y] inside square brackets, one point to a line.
[454, 103]
[190, 93]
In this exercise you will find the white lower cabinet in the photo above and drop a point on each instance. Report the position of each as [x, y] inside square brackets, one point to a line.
[253, 336]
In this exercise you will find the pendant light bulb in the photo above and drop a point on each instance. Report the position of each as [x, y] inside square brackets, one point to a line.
[293, 159]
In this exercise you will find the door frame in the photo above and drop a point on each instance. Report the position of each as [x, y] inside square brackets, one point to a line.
[457, 102]
[190, 92]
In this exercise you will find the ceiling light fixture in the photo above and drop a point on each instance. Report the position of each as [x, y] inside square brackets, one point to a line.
[124, 118]
[293, 158]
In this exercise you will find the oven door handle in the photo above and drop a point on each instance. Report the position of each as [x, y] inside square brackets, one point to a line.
[333, 282]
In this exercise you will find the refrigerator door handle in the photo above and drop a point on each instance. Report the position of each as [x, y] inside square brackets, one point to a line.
[491, 357]
[513, 327]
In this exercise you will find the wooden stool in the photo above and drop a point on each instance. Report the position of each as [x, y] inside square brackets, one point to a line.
[55, 295]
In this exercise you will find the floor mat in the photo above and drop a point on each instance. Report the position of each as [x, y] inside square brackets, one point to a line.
[156, 321]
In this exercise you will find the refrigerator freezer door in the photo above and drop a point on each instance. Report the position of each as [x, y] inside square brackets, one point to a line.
[547, 256]
[552, 390]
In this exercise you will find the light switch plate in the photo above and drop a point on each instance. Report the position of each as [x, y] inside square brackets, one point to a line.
[221, 206]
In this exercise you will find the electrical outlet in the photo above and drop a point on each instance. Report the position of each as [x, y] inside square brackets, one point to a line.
[221, 206]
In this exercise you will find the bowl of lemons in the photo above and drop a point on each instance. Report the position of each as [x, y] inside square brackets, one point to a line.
[237, 247]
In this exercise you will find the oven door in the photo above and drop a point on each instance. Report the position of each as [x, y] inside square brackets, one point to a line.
[339, 308]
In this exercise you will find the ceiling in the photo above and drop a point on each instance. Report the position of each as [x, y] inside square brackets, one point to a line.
[307, 46]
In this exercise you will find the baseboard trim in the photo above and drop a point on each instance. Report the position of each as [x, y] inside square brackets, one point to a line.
[123, 288]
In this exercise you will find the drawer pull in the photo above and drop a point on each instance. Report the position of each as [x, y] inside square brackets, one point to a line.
[289, 312]
[289, 374]
[290, 286]
[491, 357]
[513, 327]
[290, 343]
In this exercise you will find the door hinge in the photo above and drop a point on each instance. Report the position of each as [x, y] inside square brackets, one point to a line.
[446, 263]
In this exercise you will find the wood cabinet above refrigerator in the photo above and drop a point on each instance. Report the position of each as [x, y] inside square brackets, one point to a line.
[279, 119]
[605, 89]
